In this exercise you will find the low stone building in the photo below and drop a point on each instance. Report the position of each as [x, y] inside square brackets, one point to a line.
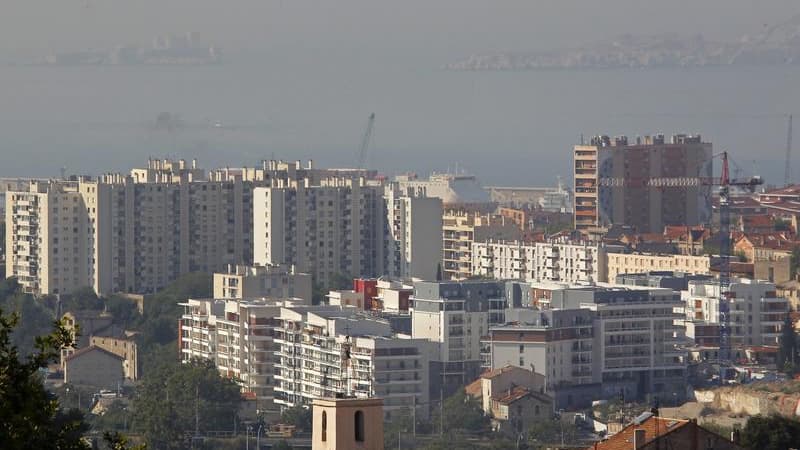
[95, 367]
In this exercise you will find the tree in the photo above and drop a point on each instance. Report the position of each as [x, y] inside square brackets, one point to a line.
[770, 433]
[298, 416]
[281, 445]
[463, 412]
[545, 432]
[788, 356]
[173, 394]
[30, 417]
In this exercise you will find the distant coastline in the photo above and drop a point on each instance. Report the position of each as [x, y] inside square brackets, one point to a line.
[776, 45]
[164, 50]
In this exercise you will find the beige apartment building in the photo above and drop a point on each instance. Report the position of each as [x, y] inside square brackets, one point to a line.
[51, 227]
[647, 184]
[460, 229]
[623, 263]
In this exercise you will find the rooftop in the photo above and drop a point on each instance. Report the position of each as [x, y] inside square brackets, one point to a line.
[654, 427]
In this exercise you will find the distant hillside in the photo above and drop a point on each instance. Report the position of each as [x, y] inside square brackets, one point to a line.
[775, 45]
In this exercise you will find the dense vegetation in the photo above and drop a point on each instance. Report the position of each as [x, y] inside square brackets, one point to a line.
[174, 399]
[770, 433]
[30, 417]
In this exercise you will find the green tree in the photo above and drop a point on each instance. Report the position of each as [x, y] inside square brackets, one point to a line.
[35, 318]
[171, 394]
[30, 417]
[298, 416]
[544, 432]
[462, 412]
[788, 356]
[281, 445]
[770, 433]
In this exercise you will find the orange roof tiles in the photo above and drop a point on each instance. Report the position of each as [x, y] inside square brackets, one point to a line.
[653, 426]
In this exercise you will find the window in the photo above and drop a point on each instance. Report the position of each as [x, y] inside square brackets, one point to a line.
[324, 426]
[359, 426]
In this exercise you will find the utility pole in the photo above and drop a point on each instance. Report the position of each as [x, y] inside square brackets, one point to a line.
[414, 414]
[441, 410]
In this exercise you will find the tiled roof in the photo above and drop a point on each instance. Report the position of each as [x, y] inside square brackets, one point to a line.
[495, 372]
[654, 427]
[775, 240]
[510, 396]
[88, 349]
[474, 388]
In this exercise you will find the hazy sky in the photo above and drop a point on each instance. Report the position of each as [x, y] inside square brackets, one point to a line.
[438, 26]
[319, 67]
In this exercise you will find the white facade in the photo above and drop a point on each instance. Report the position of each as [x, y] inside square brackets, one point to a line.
[132, 233]
[238, 337]
[415, 235]
[624, 339]
[50, 234]
[324, 351]
[540, 261]
[336, 228]
[244, 282]
[757, 313]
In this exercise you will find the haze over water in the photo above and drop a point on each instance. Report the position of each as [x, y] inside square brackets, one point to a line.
[299, 94]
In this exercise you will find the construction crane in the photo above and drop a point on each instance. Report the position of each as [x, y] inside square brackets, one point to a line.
[362, 151]
[787, 179]
[725, 183]
[725, 248]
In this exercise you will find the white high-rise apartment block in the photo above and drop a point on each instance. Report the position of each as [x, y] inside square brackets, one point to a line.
[132, 233]
[326, 351]
[51, 232]
[597, 342]
[335, 228]
[247, 282]
[539, 262]
[415, 235]
[238, 337]
[757, 312]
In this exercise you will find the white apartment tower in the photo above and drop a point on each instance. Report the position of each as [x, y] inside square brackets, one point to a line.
[415, 235]
[757, 312]
[335, 228]
[325, 352]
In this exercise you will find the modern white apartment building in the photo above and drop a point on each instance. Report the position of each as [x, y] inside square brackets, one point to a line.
[335, 228]
[131, 233]
[455, 315]
[248, 282]
[415, 235]
[756, 311]
[51, 228]
[559, 261]
[597, 342]
[325, 351]
[238, 337]
[460, 229]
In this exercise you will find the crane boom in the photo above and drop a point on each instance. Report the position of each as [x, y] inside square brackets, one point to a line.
[362, 151]
[787, 179]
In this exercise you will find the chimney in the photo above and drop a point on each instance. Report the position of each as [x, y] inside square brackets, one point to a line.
[639, 436]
